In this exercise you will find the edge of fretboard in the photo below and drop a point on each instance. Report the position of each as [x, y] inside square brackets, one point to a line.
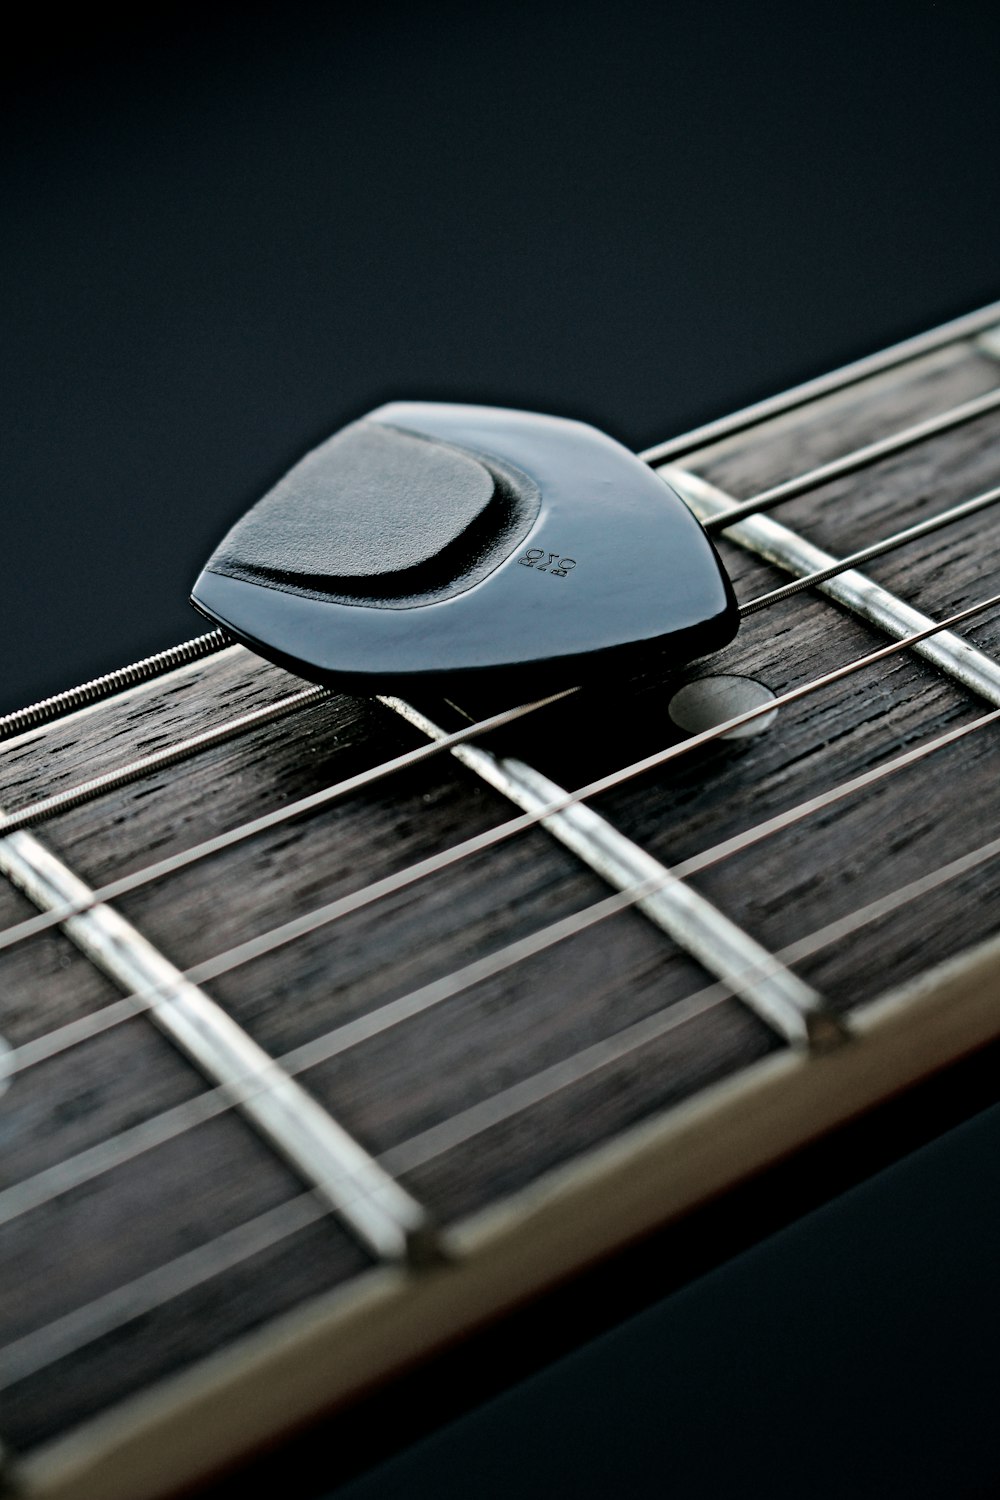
[333, 1347]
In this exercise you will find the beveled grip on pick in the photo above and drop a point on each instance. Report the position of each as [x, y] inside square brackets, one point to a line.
[428, 542]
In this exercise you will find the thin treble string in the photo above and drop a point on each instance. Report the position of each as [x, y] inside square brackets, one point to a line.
[73, 1171]
[75, 1032]
[41, 1348]
[858, 458]
[158, 760]
[171, 863]
[877, 549]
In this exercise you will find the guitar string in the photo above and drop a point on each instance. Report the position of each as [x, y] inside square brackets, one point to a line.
[833, 381]
[98, 786]
[859, 458]
[75, 1032]
[118, 681]
[72, 1171]
[32, 926]
[949, 517]
[43, 1347]
[159, 760]
[954, 332]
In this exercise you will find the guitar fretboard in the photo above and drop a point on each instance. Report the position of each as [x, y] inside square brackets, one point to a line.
[456, 1011]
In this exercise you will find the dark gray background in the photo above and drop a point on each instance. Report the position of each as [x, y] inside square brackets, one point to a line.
[226, 232]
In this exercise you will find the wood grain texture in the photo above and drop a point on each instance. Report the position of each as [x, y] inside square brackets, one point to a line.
[388, 1090]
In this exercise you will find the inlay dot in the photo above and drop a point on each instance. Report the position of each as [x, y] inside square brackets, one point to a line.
[708, 701]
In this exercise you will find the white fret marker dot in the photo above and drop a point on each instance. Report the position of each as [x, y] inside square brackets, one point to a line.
[708, 701]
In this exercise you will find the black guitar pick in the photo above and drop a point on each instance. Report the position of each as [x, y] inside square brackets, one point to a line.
[428, 543]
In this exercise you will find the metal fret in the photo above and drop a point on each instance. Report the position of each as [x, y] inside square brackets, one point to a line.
[380, 1212]
[793, 1008]
[781, 546]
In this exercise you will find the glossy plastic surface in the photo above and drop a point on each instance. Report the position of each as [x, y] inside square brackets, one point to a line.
[589, 563]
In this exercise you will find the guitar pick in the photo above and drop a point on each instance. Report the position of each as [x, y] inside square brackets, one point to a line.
[430, 542]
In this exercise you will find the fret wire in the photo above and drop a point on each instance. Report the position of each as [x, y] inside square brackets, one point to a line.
[171, 863]
[383, 1216]
[948, 517]
[118, 681]
[31, 1053]
[859, 458]
[848, 375]
[157, 760]
[37, 1350]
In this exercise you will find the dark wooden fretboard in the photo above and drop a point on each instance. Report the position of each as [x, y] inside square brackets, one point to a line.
[173, 1293]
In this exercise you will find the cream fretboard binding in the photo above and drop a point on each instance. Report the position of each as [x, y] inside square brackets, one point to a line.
[515, 1028]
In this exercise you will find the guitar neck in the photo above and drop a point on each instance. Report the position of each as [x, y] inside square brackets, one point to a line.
[298, 1093]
